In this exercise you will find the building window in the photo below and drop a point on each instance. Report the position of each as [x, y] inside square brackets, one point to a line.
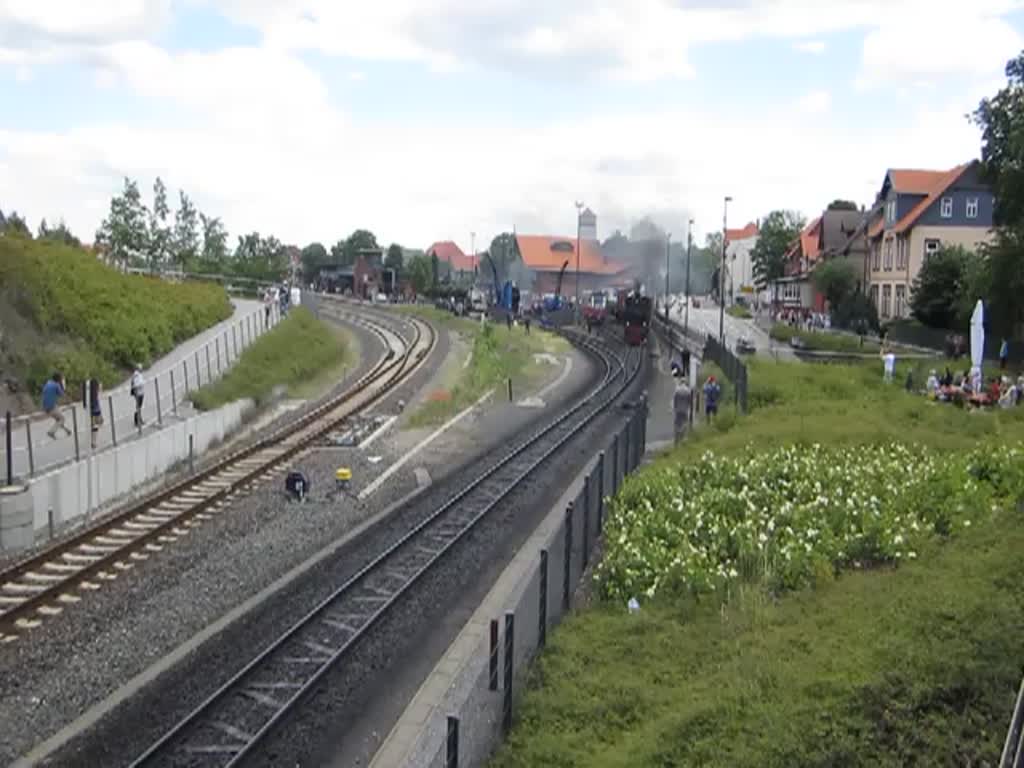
[890, 211]
[931, 247]
[947, 207]
[876, 256]
[888, 254]
[886, 300]
[901, 253]
[901, 299]
[972, 207]
[874, 295]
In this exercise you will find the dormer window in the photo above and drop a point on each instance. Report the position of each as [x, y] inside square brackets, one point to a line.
[947, 207]
[890, 211]
[562, 246]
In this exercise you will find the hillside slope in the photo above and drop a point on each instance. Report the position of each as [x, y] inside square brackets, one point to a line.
[62, 309]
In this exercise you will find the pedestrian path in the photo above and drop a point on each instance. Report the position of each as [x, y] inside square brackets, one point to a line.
[168, 381]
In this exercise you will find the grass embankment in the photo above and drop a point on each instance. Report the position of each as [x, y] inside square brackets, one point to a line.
[832, 580]
[822, 341]
[738, 311]
[63, 309]
[296, 351]
[497, 354]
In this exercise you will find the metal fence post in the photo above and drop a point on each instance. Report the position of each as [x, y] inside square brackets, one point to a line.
[452, 750]
[113, 427]
[234, 339]
[615, 465]
[74, 426]
[493, 661]
[49, 521]
[510, 630]
[174, 394]
[542, 621]
[191, 453]
[199, 382]
[510, 390]
[209, 367]
[227, 350]
[567, 581]
[216, 343]
[184, 371]
[159, 410]
[585, 541]
[31, 452]
[9, 444]
[600, 492]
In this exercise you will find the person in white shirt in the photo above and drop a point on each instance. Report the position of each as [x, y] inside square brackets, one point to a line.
[138, 386]
[932, 385]
[889, 361]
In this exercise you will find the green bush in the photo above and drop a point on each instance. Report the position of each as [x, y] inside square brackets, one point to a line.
[295, 351]
[111, 320]
[739, 311]
[823, 341]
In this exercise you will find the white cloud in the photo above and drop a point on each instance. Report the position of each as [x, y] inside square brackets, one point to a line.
[815, 102]
[810, 46]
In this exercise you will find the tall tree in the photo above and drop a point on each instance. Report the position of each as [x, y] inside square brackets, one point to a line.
[58, 234]
[842, 205]
[836, 279]
[185, 245]
[313, 257]
[16, 225]
[935, 298]
[502, 254]
[358, 241]
[394, 258]
[1001, 119]
[124, 233]
[215, 243]
[338, 254]
[419, 273]
[159, 232]
[778, 232]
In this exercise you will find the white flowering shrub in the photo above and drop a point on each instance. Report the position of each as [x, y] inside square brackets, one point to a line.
[788, 516]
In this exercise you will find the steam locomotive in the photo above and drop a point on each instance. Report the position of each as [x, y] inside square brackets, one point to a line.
[634, 313]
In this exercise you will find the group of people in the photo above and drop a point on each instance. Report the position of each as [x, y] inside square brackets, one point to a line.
[279, 296]
[682, 397]
[1001, 390]
[803, 319]
[55, 389]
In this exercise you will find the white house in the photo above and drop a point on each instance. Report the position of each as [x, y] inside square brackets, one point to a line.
[739, 276]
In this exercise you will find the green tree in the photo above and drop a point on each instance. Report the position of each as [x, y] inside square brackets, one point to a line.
[842, 205]
[836, 279]
[314, 256]
[419, 273]
[16, 225]
[58, 234]
[502, 254]
[1001, 119]
[778, 231]
[159, 232]
[338, 254]
[394, 258]
[358, 241]
[936, 298]
[124, 233]
[185, 242]
[215, 244]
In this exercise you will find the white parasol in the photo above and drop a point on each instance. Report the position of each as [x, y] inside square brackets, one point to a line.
[977, 340]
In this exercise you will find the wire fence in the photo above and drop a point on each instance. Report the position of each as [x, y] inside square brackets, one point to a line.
[39, 442]
[734, 369]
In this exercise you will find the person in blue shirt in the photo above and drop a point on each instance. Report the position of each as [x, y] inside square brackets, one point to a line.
[53, 391]
[712, 390]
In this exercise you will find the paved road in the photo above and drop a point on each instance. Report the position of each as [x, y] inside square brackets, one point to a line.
[212, 351]
[706, 319]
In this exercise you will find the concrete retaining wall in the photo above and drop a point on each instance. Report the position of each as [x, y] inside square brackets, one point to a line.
[459, 686]
[75, 491]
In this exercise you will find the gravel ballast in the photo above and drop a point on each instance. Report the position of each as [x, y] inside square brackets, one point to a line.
[77, 659]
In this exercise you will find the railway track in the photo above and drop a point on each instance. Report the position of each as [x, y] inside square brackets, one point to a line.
[225, 728]
[44, 584]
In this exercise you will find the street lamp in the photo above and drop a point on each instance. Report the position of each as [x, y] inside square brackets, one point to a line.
[689, 253]
[472, 247]
[721, 276]
[668, 252]
[579, 217]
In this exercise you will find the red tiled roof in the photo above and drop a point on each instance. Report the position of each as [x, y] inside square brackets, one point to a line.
[448, 251]
[914, 182]
[751, 230]
[940, 183]
[876, 229]
[810, 240]
[538, 255]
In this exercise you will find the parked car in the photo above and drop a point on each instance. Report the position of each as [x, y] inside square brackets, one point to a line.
[797, 343]
[745, 346]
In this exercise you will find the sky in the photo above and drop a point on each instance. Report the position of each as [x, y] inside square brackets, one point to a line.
[431, 120]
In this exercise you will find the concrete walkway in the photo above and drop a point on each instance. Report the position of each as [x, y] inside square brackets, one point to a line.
[201, 359]
[705, 319]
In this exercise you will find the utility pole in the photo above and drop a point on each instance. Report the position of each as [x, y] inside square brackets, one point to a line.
[579, 215]
[689, 254]
[721, 276]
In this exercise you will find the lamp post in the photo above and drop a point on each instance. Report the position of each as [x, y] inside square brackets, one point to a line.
[668, 252]
[472, 248]
[579, 215]
[689, 253]
[721, 276]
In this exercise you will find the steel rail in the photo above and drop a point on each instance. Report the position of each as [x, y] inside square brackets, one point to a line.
[236, 717]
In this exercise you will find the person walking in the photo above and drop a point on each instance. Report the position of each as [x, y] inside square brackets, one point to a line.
[53, 391]
[138, 390]
[682, 402]
[712, 391]
[266, 308]
[95, 410]
[888, 365]
[1004, 354]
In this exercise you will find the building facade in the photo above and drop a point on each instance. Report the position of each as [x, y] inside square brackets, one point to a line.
[919, 212]
[739, 249]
